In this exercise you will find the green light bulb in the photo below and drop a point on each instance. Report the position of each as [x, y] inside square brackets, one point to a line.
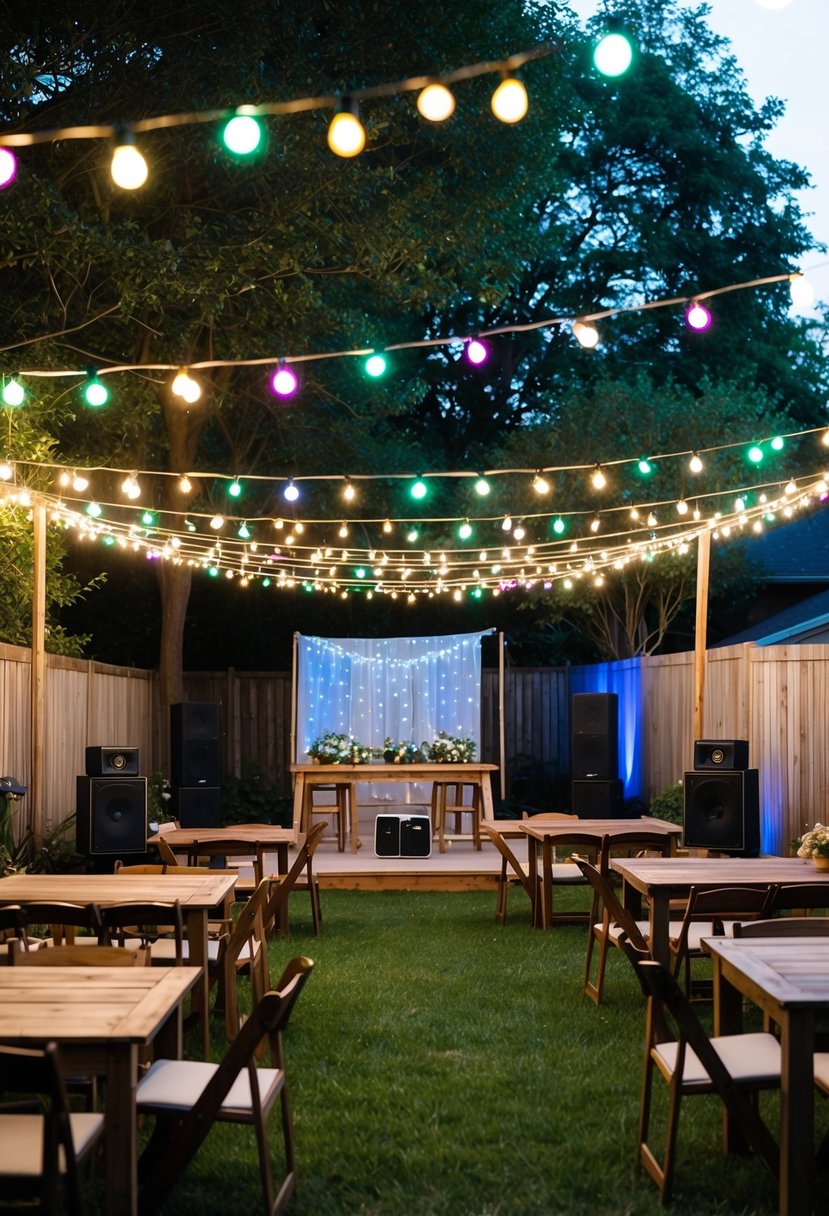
[234, 489]
[645, 467]
[375, 366]
[755, 454]
[559, 526]
[242, 135]
[418, 489]
[95, 394]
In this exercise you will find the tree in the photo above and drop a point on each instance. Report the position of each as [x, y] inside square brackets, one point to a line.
[654, 185]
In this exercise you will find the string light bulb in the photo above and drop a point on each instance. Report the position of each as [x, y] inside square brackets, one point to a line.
[242, 134]
[349, 492]
[290, 493]
[234, 489]
[613, 53]
[802, 292]
[598, 478]
[128, 166]
[476, 352]
[14, 393]
[185, 485]
[375, 365]
[436, 103]
[482, 487]
[346, 134]
[185, 386]
[698, 317]
[695, 463]
[95, 392]
[418, 489]
[586, 335]
[509, 101]
[284, 382]
[8, 167]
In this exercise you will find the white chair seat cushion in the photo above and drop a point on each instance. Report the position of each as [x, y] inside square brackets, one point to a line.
[697, 930]
[748, 1057]
[615, 932]
[567, 872]
[21, 1142]
[176, 1085]
[164, 950]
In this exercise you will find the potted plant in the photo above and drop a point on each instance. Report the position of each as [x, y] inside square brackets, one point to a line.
[815, 846]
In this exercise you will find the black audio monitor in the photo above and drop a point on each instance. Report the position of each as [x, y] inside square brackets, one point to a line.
[721, 754]
[195, 743]
[722, 811]
[595, 736]
[112, 761]
[111, 815]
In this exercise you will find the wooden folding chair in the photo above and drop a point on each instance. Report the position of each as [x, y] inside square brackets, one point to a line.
[42, 1144]
[137, 925]
[710, 913]
[300, 877]
[608, 921]
[62, 919]
[678, 1047]
[796, 897]
[186, 1097]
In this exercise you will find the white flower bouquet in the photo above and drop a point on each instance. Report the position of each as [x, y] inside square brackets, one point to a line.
[334, 748]
[815, 842]
[448, 750]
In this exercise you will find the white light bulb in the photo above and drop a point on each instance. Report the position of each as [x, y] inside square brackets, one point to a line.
[802, 293]
[435, 102]
[586, 335]
[128, 167]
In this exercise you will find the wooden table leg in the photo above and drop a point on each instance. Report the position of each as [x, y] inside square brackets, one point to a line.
[797, 1114]
[532, 871]
[121, 1130]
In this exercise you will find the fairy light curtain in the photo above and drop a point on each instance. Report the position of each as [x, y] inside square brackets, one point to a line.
[405, 689]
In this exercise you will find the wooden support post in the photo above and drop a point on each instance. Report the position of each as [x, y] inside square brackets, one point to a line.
[701, 630]
[38, 690]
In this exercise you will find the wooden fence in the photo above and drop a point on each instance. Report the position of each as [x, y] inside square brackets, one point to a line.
[776, 697]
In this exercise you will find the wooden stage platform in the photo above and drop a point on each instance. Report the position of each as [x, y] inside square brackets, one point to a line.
[461, 868]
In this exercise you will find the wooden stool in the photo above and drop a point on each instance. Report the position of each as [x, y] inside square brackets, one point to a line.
[338, 808]
[447, 799]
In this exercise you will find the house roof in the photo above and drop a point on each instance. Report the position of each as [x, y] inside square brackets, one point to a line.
[796, 552]
[807, 621]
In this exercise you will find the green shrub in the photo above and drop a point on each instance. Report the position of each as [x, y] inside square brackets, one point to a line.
[669, 805]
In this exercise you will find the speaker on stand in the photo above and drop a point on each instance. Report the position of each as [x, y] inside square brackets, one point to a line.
[195, 763]
[111, 815]
[597, 790]
[722, 799]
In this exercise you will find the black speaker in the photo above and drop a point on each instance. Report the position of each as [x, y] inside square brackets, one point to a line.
[112, 762]
[403, 835]
[197, 806]
[598, 799]
[595, 736]
[722, 811]
[111, 815]
[195, 757]
[721, 753]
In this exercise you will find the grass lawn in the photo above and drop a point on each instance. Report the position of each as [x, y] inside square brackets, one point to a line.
[441, 1063]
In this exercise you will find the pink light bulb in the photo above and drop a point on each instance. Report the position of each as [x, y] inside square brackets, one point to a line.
[284, 382]
[8, 167]
[476, 352]
[698, 317]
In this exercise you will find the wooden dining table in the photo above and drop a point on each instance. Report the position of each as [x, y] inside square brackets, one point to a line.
[100, 1017]
[787, 978]
[547, 832]
[198, 894]
[661, 879]
[260, 837]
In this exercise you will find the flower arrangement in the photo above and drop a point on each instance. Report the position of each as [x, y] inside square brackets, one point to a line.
[448, 750]
[815, 842]
[333, 748]
[404, 752]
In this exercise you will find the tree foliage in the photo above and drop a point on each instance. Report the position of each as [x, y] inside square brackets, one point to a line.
[609, 193]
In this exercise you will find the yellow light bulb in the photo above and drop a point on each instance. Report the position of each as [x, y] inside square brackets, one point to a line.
[509, 101]
[128, 167]
[346, 134]
[435, 102]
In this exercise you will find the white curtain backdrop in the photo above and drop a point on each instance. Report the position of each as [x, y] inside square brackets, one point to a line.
[406, 689]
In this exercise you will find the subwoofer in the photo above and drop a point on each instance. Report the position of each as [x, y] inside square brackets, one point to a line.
[721, 753]
[195, 756]
[595, 736]
[111, 815]
[598, 799]
[197, 806]
[112, 762]
[722, 811]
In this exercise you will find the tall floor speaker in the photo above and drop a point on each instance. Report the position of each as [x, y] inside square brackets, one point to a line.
[722, 811]
[595, 736]
[111, 815]
[197, 806]
[598, 799]
[195, 744]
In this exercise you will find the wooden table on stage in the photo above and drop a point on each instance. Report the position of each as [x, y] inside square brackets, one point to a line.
[309, 775]
[198, 894]
[789, 979]
[661, 879]
[555, 829]
[261, 837]
[99, 1017]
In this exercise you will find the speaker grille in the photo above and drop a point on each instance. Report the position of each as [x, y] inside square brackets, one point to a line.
[197, 806]
[595, 713]
[195, 748]
[722, 811]
[111, 815]
[598, 799]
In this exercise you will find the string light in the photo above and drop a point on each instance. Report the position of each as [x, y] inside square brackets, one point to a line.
[476, 352]
[128, 166]
[613, 53]
[95, 392]
[376, 366]
[290, 493]
[185, 485]
[284, 382]
[695, 463]
[242, 135]
[509, 101]
[346, 134]
[541, 484]
[598, 479]
[8, 167]
[586, 335]
[349, 492]
[234, 489]
[482, 485]
[185, 386]
[14, 393]
[436, 103]
[698, 317]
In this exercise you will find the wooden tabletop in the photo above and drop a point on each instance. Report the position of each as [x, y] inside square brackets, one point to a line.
[540, 829]
[792, 970]
[251, 833]
[426, 771]
[191, 890]
[647, 874]
[88, 1004]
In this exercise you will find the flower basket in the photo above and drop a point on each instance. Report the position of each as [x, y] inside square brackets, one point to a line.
[404, 752]
[815, 845]
[334, 748]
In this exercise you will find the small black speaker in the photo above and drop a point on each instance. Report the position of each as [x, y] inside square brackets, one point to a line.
[598, 799]
[722, 811]
[198, 806]
[387, 836]
[721, 753]
[195, 744]
[112, 762]
[400, 835]
[111, 815]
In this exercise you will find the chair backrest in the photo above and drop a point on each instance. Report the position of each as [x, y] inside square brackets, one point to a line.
[166, 854]
[783, 897]
[630, 844]
[77, 956]
[63, 918]
[154, 868]
[14, 923]
[282, 888]
[721, 902]
[268, 1019]
[39, 1073]
[671, 1018]
[142, 920]
[612, 909]
[784, 926]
